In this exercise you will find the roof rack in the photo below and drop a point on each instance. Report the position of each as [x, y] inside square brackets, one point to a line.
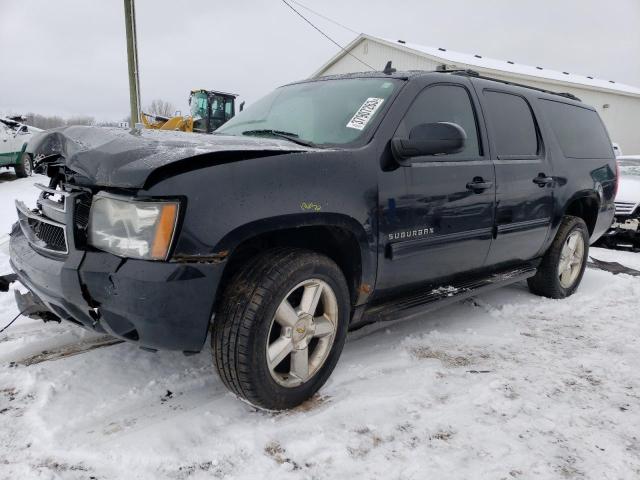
[473, 73]
[460, 71]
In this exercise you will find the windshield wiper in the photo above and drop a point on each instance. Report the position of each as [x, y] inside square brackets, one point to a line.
[292, 137]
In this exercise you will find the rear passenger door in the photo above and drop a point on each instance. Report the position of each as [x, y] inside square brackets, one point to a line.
[524, 184]
[436, 216]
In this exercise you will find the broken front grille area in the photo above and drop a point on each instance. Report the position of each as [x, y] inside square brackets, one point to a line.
[81, 213]
[52, 235]
[82, 207]
[41, 232]
[61, 212]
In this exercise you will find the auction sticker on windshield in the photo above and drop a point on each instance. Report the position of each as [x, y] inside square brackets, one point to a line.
[365, 113]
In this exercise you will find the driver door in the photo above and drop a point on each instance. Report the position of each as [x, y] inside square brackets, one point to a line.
[433, 223]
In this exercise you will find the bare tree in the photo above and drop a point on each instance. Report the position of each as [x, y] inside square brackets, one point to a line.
[161, 108]
[81, 120]
[52, 121]
[43, 121]
[107, 123]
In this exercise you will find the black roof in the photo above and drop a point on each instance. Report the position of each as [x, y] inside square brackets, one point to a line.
[408, 74]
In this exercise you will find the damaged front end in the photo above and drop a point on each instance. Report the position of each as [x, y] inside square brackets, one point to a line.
[163, 302]
[625, 230]
[47, 246]
[28, 304]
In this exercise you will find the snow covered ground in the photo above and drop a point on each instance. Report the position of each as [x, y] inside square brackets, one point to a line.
[505, 386]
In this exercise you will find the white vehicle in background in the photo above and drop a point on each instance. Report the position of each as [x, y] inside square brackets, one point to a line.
[14, 136]
[625, 229]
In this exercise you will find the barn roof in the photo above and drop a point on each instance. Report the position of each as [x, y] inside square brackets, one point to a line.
[493, 66]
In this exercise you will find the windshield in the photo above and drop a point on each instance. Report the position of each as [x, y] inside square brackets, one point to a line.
[629, 166]
[322, 112]
[198, 104]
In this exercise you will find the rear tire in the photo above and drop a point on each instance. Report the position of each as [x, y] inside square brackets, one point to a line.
[25, 167]
[281, 327]
[563, 265]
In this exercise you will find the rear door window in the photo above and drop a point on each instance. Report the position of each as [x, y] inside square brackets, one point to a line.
[580, 132]
[444, 103]
[512, 125]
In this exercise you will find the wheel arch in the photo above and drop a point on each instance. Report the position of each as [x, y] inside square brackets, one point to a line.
[23, 150]
[342, 238]
[585, 205]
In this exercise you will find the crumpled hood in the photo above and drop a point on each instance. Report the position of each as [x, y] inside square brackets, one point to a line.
[125, 158]
[628, 189]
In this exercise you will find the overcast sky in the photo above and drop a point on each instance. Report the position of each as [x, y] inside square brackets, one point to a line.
[68, 57]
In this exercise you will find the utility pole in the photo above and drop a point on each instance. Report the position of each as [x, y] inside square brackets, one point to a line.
[132, 60]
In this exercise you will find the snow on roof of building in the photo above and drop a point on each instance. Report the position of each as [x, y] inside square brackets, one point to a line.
[463, 60]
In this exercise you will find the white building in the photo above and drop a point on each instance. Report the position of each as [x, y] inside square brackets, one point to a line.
[618, 104]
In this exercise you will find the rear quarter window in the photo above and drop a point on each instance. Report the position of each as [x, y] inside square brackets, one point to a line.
[579, 131]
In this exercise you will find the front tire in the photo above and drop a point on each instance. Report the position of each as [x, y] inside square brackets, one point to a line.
[281, 327]
[25, 167]
[563, 265]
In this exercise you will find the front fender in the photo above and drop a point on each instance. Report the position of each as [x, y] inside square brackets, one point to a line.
[21, 154]
[300, 220]
[225, 205]
[294, 220]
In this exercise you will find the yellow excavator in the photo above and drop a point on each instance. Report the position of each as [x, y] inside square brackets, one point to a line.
[209, 110]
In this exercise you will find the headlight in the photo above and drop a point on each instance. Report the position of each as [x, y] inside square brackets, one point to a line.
[129, 228]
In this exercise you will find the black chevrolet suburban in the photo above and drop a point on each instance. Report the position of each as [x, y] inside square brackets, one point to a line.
[326, 205]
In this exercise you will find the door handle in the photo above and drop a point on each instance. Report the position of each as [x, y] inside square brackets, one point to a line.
[542, 180]
[479, 185]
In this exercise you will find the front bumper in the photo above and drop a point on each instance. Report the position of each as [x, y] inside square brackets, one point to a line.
[158, 305]
[624, 229]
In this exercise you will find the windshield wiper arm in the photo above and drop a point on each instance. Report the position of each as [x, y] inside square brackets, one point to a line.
[292, 137]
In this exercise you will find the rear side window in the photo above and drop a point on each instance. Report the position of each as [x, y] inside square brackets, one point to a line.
[579, 131]
[513, 127]
[444, 103]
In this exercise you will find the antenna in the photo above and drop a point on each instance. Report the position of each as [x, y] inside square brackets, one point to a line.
[388, 69]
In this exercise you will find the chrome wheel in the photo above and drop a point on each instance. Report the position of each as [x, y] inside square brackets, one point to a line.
[302, 333]
[26, 162]
[571, 258]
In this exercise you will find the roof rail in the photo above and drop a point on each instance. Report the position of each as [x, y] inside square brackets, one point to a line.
[473, 73]
[460, 71]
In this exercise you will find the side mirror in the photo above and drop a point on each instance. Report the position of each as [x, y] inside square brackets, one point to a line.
[242, 105]
[439, 138]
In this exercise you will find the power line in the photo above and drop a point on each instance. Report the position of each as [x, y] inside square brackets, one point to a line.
[325, 17]
[327, 36]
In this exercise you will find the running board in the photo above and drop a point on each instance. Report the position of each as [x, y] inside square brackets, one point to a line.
[418, 303]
